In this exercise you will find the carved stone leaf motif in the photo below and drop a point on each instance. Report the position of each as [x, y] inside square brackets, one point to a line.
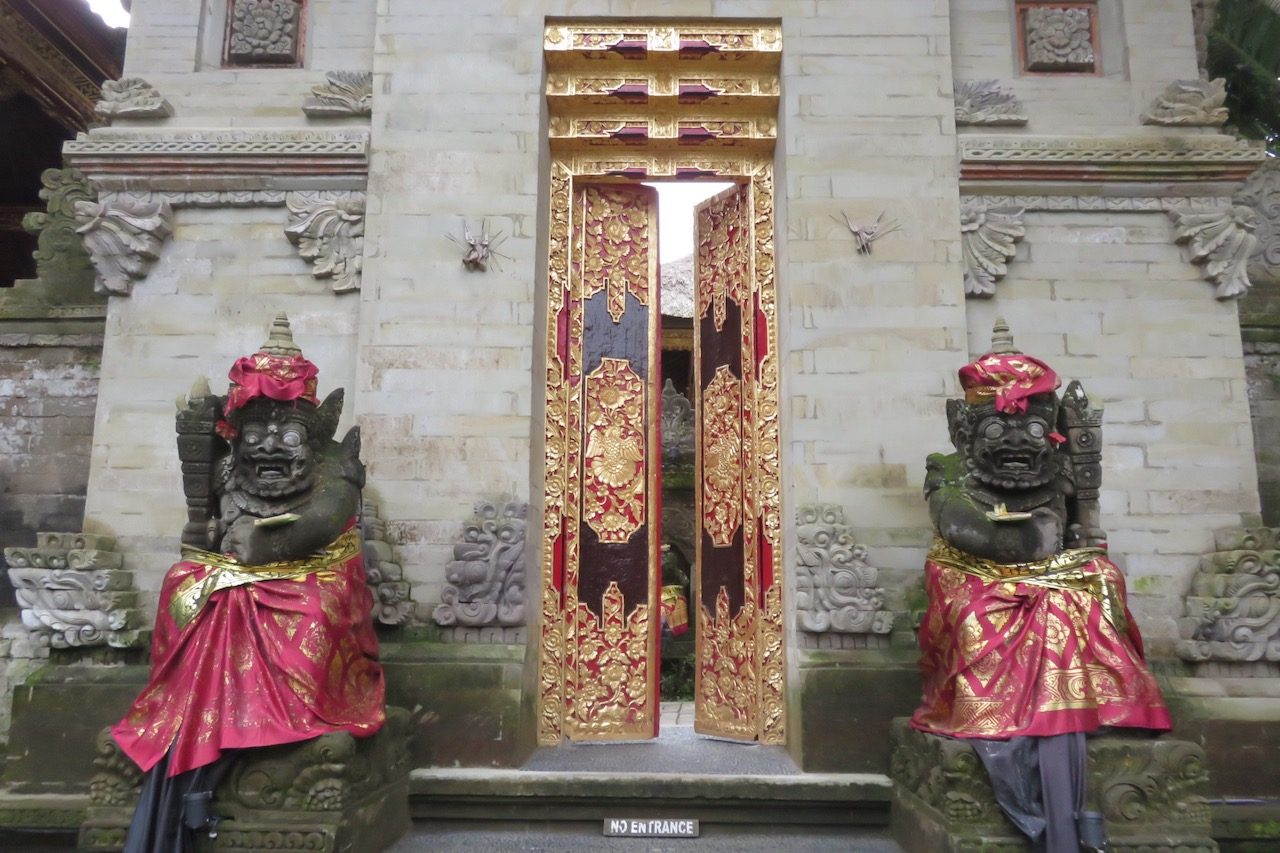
[1190, 103]
[131, 97]
[1262, 193]
[1220, 241]
[123, 238]
[987, 237]
[117, 780]
[835, 586]
[329, 233]
[1059, 39]
[487, 575]
[985, 102]
[343, 93]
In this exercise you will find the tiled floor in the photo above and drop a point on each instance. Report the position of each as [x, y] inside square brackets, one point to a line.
[675, 715]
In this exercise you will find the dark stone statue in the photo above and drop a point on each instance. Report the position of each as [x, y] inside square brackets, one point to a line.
[263, 633]
[1027, 642]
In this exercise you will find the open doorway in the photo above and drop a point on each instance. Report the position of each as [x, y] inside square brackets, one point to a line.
[676, 247]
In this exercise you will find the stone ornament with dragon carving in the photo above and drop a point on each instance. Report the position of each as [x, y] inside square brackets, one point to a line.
[330, 234]
[123, 238]
[987, 238]
[131, 97]
[986, 102]
[1190, 103]
[1220, 242]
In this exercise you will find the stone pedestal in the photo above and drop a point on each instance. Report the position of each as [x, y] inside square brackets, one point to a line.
[333, 793]
[1150, 790]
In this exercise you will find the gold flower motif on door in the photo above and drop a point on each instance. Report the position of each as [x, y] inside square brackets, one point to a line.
[613, 489]
[722, 456]
[615, 250]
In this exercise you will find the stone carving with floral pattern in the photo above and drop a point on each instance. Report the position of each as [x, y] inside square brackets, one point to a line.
[1059, 38]
[330, 234]
[987, 238]
[1261, 193]
[1221, 242]
[344, 93]
[264, 32]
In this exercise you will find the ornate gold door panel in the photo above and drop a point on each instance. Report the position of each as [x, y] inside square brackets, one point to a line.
[605, 376]
[738, 688]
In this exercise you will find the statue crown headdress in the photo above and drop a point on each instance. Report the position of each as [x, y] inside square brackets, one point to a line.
[277, 371]
[1006, 375]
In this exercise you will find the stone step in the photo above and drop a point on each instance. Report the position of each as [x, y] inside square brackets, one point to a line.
[720, 799]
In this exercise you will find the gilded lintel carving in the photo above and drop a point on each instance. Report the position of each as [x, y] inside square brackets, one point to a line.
[123, 239]
[987, 238]
[330, 234]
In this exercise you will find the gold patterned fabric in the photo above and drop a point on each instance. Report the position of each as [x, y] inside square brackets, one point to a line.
[1038, 648]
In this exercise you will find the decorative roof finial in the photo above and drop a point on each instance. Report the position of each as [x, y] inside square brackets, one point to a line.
[280, 340]
[1001, 338]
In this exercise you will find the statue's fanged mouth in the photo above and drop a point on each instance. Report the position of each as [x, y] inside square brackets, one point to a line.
[1016, 461]
[272, 471]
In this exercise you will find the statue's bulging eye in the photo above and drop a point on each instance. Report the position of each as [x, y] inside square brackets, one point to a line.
[993, 429]
[291, 438]
[1036, 429]
[252, 435]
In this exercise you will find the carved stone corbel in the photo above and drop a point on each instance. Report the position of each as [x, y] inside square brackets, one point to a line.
[835, 586]
[1220, 241]
[131, 97]
[986, 102]
[1262, 193]
[987, 238]
[344, 93]
[123, 238]
[330, 234]
[1190, 103]
[486, 577]
[391, 604]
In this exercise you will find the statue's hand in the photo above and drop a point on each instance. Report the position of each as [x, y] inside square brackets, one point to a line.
[246, 542]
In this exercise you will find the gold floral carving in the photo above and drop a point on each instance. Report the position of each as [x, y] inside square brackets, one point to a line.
[616, 247]
[612, 679]
[727, 692]
[550, 673]
[724, 255]
[614, 492]
[722, 453]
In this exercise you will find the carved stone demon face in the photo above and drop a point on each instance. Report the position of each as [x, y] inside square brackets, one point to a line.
[1012, 451]
[273, 455]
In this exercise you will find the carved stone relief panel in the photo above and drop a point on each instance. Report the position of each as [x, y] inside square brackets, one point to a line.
[391, 604]
[74, 592]
[1231, 626]
[1261, 193]
[264, 32]
[1058, 37]
[486, 584]
[835, 585]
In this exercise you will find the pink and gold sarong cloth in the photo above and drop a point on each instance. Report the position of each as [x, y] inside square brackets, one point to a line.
[1041, 648]
[246, 656]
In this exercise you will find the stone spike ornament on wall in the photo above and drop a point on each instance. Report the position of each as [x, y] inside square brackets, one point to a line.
[123, 238]
[1190, 103]
[986, 102]
[330, 234]
[487, 575]
[74, 592]
[344, 93]
[1220, 241]
[131, 97]
[987, 238]
[835, 586]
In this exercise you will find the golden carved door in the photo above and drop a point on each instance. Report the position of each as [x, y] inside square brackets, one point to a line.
[738, 606]
[602, 463]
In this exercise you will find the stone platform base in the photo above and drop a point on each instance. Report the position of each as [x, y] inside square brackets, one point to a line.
[333, 794]
[1150, 790]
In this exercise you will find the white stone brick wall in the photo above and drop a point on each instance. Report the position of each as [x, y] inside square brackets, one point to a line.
[208, 300]
[1144, 46]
